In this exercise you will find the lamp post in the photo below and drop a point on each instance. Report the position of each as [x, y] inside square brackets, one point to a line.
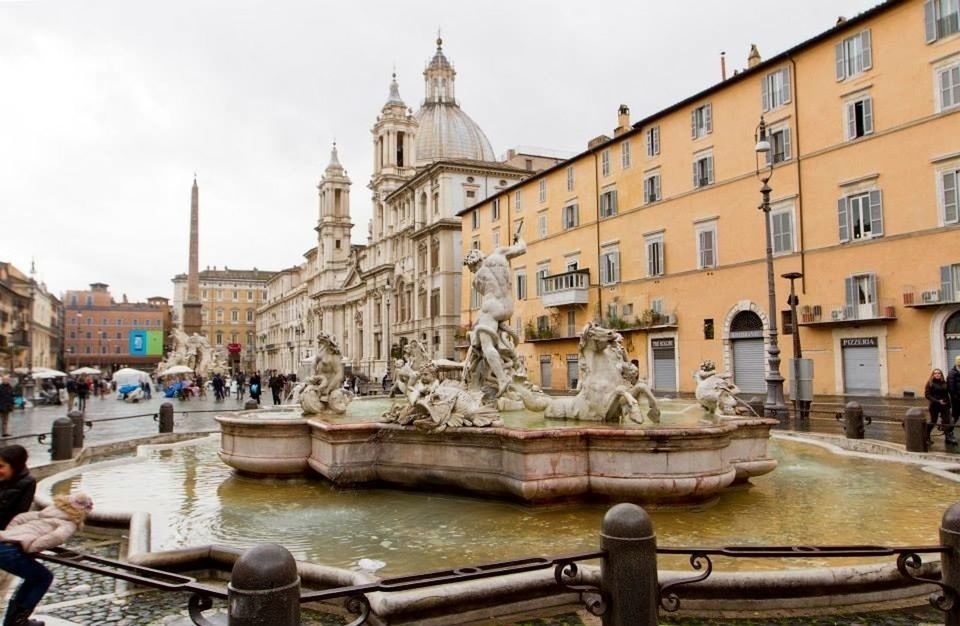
[774, 406]
[298, 331]
[801, 405]
[386, 300]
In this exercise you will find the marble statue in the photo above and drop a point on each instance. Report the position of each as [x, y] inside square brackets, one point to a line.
[194, 351]
[715, 392]
[608, 384]
[492, 358]
[322, 391]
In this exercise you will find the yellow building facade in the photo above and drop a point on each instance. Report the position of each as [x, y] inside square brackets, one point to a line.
[656, 231]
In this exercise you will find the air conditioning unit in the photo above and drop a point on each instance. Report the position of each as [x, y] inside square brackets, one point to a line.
[930, 296]
[837, 314]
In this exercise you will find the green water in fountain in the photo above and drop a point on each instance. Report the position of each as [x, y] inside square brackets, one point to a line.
[814, 497]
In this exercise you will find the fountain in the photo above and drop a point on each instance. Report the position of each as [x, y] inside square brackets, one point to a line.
[454, 426]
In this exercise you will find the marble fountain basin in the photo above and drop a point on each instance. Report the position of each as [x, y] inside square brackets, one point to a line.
[683, 460]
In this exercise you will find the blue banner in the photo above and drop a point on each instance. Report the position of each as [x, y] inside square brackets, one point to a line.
[138, 343]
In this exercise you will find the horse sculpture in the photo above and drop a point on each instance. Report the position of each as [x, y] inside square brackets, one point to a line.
[608, 388]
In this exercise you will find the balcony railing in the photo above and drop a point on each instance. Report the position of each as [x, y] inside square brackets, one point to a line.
[847, 315]
[931, 297]
[566, 289]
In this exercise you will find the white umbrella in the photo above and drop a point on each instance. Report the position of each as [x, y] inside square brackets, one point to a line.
[177, 369]
[129, 372]
[84, 371]
[45, 373]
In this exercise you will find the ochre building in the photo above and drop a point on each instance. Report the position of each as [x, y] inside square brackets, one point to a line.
[656, 230]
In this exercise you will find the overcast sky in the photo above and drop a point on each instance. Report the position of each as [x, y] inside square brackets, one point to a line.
[108, 107]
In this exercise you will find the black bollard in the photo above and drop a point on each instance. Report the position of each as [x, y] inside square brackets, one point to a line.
[76, 419]
[854, 421]
[166, 417]
[251, 405]
[950, 560]
[915, 430]
[628, 573]
[264, 588]
[61, 439]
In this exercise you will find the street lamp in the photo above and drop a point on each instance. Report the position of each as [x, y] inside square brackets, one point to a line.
[386, 300]
[298, 331]
[774, 406]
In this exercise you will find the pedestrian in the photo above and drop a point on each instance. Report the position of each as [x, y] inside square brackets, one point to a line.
[240, 380]
[6, 404]
[276, 386]
[32, 532]
[218, 387]
[939, 398]
[17, 485]
[82, 392]
[953, 388]
[255, 389]
[71, 393]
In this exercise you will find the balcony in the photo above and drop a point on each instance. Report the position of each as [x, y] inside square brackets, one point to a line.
[928, 298]
[568, 288]
[835, 315]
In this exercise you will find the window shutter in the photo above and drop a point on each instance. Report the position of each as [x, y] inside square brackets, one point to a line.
[866, 54]
[950, 215]
[768, 155]
[661, 265]
[656, 140]
[947, 288]
[604, 275]
[708, 117]
[615, 270]
[785, 87]
[850, 289]
[872, 294]
[786, 144]
[844, 220]
[710, 169]
[693, 124]
[696, 175]
[929, 21]
[613, 202]
[841, 69]
[765, 93]
[651, 263]
[656, 190]
[867, 116]
[851, 120]
[876, 213]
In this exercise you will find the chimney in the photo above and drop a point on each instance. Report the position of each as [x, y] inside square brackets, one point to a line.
[723, 66]
[623, 120]
[596, 141]
[840, 20]
[753, 59]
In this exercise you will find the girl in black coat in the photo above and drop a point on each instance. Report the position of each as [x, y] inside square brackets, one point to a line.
[17, 486]
[938, 396]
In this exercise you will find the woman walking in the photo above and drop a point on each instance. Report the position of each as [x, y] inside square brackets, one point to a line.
[938, 396]
[6, 403]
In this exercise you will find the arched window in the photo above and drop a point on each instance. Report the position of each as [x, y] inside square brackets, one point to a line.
[423, 208]
[951, 333]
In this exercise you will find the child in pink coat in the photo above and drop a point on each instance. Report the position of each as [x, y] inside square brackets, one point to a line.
[32, 532]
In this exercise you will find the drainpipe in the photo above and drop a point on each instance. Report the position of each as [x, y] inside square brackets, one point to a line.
[796, 143]
[596, 197]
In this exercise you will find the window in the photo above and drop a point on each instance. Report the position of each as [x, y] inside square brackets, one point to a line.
[135, 322]
[609, 266]
[219, 338]
[495, 209]
[701, 121]
[542, 273]
[528, 164]
[516, 201]
[435, 302]
[219, 315]
[860, 296]
[119, 322]
[571, 216]
[781, 230]
[234, 315]
[707, 247]
[948, 86]
[571, 323]
[950, 283]
[605, 162]
[625, 155]
[543, 190]
[860, 216]
[569, 178]
[249, 295]
[542, 225]
[653, 141]
[204, 294]
[779, 145]
[249, 315]
[475, 243]
[853, 55]
[219, 294]
[949, 195]
[859, 114]
[521, 278]
[89, 321]
[236, 295]
[651, 188]
[435, 254]
[495, 238]
[941, 18]
[475, 219]
[654, 244]
[703, 171]
[608, 203]
[471, 194]
[775, 89]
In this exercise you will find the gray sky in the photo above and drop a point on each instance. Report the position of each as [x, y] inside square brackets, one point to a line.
[108, 107]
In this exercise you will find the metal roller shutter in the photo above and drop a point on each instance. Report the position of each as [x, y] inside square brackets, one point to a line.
[664, 369]
[861, 370]
[748, 365]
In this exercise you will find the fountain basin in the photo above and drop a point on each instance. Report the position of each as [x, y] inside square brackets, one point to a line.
[659, 465]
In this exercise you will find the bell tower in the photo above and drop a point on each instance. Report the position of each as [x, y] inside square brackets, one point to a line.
[394, 135]
[333, 227]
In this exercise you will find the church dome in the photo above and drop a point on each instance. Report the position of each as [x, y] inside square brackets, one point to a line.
[446, 132]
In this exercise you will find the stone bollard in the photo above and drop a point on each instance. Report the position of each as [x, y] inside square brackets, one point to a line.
[166, 418]
[915, 430]
[76, 419]
[264, 588]
[853, 420]
[950, 560]
[251, 405]
[61, 439]
[628, 573]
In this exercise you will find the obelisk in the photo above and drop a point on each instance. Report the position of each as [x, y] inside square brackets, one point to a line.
[191, 303]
